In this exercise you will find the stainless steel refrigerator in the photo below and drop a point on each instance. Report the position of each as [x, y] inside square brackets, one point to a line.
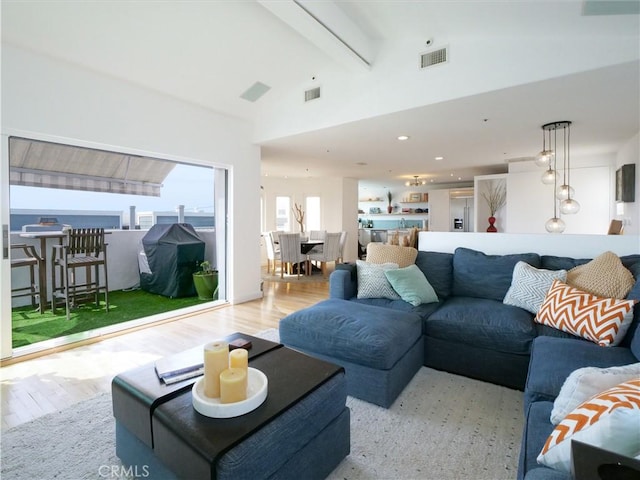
[461, 210]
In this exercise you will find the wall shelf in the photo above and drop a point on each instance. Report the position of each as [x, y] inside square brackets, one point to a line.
[391, 214]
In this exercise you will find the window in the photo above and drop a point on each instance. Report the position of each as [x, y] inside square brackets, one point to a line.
[312, 213]
[283, 214]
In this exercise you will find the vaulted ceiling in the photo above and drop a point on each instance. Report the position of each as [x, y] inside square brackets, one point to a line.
[511, 67]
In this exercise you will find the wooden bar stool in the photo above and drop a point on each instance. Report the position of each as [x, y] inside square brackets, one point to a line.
[85, 249]
[32, 260]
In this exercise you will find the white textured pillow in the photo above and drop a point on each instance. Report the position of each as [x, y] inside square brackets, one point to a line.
[609, 420]
[584, 383]
[372, 282]
[529, 286]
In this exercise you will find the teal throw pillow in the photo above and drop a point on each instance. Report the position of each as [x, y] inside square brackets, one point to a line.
[412, 286]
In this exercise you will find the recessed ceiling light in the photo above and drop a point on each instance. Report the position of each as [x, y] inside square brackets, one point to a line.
[403, 137]
[438, 158]
[361, 163]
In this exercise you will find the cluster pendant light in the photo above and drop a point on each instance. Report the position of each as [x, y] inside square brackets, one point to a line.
[416, 182]
[548, 158]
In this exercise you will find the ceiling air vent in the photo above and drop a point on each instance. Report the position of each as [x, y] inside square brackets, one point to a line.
[434, 57]
[312, 94]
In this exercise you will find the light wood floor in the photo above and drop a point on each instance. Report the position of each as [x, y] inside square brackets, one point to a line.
[37, 386]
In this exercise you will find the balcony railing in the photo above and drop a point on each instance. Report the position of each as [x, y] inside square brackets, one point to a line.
[122, 260]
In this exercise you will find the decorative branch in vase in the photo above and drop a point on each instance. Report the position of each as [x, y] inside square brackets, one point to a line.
[298, 214]
[389, 197]
[496, 197]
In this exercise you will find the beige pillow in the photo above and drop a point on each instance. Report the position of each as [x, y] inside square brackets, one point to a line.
[381, 253]
[604, 276]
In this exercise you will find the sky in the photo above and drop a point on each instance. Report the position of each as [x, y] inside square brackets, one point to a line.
[187, 185]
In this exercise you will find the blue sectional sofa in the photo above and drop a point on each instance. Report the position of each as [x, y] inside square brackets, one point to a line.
[470, 331]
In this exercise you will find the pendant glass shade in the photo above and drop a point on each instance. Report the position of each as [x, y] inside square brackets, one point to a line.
[549, 177]
[564, 191]
[569, 206]
[548, 157]
[554, 225]
[543, 158]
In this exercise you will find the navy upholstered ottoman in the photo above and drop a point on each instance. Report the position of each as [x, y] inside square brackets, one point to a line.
[302, 429]
[380, 349]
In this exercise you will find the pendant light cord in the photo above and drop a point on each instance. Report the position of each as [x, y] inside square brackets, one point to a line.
[555, 168]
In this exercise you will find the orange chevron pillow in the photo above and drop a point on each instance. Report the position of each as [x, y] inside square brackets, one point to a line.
[604, 321]
[609, 420]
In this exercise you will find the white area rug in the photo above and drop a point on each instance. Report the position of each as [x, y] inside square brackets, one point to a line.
[442, 426]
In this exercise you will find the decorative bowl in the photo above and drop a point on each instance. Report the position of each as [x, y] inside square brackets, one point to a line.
[211, 407]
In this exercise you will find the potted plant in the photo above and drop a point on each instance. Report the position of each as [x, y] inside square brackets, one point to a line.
[496, 197]
[389, 197]
[298, 214]
[206, 281]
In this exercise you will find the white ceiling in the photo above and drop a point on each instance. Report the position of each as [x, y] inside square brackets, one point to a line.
[513, 66]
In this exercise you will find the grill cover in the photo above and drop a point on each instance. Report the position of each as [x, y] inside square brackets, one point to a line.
[173, 253]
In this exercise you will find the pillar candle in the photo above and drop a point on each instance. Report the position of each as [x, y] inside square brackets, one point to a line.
[239, 358]
[216, 360]
[233, 385]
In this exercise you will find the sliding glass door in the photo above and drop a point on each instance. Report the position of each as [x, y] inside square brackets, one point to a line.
[49, 186]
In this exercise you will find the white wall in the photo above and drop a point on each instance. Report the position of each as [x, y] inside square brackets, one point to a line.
[47, 99]
[530, 202]
[629, 213]
[338, 205]
[576, 246]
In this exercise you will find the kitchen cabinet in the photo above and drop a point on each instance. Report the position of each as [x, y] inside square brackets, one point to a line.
[451, 210]
[439, 210]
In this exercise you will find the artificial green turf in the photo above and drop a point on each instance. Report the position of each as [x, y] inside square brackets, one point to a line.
[30, 326]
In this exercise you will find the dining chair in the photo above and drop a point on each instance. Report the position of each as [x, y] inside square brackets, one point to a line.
[330, 251]
[31, 259]
[290, 253]
[343, 241]
[272, 251]
[413, 237]
[317, 235]
[84, 248]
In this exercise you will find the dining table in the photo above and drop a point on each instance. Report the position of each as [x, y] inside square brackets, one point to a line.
[307, 245]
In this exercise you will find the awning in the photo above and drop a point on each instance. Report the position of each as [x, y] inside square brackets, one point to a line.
[35, 163]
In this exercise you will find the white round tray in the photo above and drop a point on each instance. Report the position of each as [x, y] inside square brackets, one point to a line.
[211, 407]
